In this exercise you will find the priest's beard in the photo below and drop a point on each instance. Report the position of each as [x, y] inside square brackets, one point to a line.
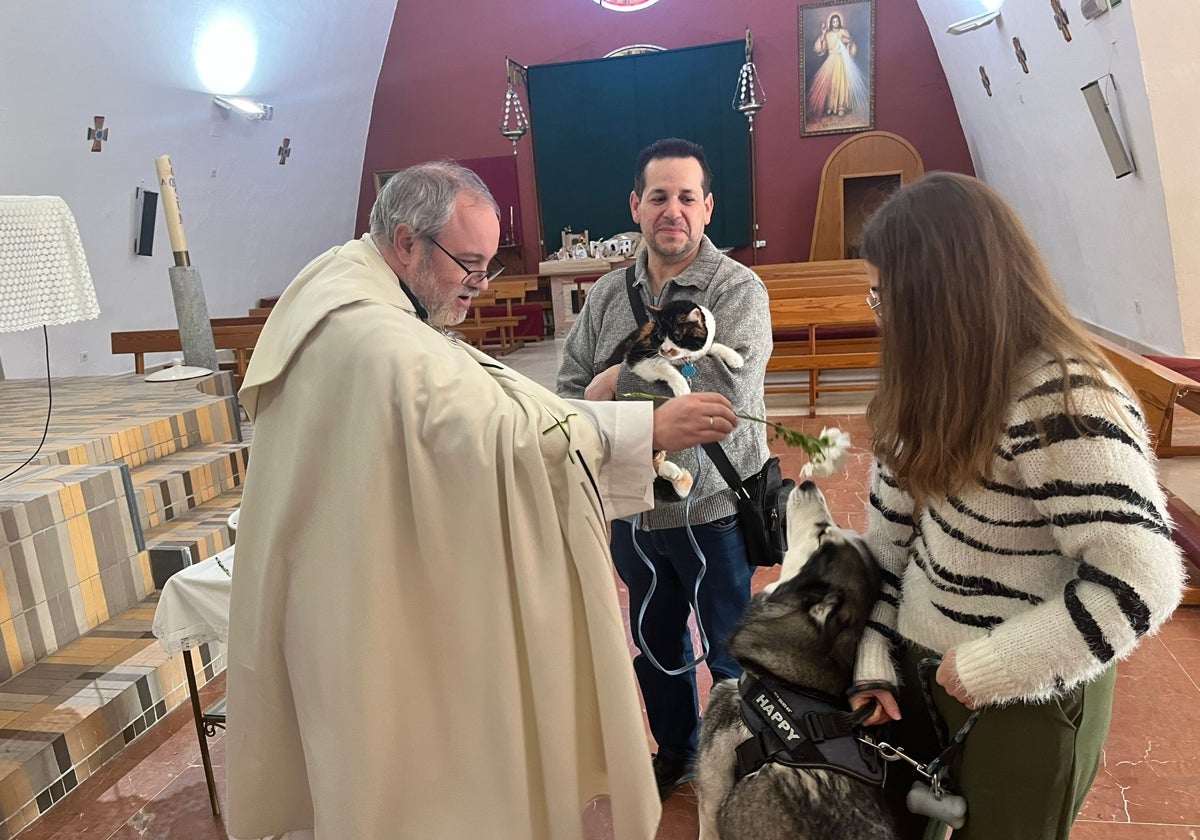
[438, 298]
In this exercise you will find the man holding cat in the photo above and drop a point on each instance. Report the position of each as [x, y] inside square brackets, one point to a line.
[423, 612]
[672, 202]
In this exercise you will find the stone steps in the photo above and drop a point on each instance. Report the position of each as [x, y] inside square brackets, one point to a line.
[134, 482]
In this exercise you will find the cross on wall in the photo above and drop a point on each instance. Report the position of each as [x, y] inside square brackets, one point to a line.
[285, 151]
[97, 133]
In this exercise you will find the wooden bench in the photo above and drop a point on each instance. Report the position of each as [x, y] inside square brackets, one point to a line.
[492, 333]
[818, 269]
[855, 345]
[820, 320]
[1160, 389]
[239, 338]
[510, 294]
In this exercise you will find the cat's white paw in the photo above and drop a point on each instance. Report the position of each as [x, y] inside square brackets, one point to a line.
[735, 360]
[679, 477]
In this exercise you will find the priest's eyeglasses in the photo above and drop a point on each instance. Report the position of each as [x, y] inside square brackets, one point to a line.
[475, 276]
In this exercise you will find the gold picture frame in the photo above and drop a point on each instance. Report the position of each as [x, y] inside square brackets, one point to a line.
[381, 177]
[837, 67]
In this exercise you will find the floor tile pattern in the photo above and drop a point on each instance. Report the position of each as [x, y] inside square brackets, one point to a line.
[129, 470]
[63, 718]
[1147, 788]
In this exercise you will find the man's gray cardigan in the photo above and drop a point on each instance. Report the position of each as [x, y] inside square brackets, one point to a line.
[738, 300]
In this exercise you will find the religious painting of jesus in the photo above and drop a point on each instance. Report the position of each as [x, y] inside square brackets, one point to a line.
[837, 67]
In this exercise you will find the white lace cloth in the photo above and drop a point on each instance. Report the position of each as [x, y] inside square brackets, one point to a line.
[194, 605]
[44, 276]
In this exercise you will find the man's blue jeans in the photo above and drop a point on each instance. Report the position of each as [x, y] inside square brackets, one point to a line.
[672, 705]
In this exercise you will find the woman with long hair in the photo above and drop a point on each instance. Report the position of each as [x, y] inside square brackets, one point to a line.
[1014, 509]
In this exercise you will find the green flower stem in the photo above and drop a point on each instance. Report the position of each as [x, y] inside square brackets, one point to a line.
[790, 437]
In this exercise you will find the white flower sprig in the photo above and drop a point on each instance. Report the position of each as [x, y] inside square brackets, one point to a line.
[827, 452]
[831, 454]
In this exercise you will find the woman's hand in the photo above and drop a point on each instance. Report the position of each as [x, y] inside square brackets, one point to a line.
[886, 708]
[947, 678]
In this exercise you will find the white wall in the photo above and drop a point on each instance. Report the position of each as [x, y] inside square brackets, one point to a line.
[1169, 32]
[251, 224]
[1106, 240]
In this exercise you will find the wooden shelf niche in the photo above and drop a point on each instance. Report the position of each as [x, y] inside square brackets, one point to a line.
[859, 174]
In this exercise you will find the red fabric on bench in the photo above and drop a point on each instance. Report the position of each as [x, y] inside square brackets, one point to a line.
[826, 332]
[1189, 366]
[532, 324]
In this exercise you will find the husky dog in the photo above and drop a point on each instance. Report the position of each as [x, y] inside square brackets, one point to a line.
[803, 634]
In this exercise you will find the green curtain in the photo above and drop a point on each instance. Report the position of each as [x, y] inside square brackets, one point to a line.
[591, 118]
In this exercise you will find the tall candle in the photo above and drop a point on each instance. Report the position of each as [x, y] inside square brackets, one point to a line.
[170, 203]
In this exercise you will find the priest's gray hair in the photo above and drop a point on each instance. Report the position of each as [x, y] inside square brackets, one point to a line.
[422, 197]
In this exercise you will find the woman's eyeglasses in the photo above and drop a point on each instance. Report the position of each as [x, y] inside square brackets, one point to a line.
[873, 301]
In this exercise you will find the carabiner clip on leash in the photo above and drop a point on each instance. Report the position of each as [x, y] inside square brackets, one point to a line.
[933, 799]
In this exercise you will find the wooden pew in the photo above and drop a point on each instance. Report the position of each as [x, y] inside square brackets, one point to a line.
[510, 293]
[820, 348]
[820, 268]
[476, 327]
[238, 338]
[820, 320]
[1160, 389]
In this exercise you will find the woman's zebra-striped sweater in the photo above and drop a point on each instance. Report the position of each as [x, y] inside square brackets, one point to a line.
[1041, 576]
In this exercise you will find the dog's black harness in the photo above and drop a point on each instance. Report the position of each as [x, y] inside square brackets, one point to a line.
[801, 728]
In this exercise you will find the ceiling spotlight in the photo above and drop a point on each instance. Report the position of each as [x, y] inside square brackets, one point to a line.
[248, 108]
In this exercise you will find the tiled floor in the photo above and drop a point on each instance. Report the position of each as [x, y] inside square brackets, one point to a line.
[1148, 788]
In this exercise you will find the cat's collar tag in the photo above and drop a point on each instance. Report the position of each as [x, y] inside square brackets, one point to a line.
[689, 369]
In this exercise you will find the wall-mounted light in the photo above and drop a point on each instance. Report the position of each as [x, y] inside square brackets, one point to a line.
[248, 108]
[1101, 104]
[976, 21]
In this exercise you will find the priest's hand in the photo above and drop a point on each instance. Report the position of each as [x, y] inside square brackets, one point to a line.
[604, 386]
[685, 421]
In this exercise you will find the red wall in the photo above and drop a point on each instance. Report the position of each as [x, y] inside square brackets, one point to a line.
[441, 92]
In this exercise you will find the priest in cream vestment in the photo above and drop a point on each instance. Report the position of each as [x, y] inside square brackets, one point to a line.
[425, 640]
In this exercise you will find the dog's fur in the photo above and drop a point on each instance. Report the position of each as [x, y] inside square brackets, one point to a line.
[804, 631]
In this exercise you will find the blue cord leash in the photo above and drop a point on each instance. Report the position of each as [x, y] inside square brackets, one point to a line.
[704, 646]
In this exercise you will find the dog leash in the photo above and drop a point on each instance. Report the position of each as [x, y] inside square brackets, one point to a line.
[935, 798]
[695, 601]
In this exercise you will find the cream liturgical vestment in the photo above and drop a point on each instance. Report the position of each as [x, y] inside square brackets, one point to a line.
[425, 640]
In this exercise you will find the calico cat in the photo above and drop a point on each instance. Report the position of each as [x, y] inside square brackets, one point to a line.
[677, 334]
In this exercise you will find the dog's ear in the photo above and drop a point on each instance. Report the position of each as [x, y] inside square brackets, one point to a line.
[821, 611]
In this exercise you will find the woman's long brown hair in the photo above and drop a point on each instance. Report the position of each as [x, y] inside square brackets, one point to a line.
[966, 302]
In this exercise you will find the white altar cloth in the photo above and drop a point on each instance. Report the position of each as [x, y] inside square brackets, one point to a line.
[194, 606]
